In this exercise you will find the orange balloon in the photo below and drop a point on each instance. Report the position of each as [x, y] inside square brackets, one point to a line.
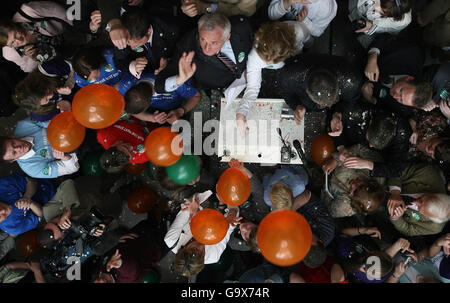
[233, 187]
[209, 226]
[64, 133]
[135, 168]
[27, 243]
[284, 237]
[322, 149]
[98, 106]
[141, 200]
[163, 147]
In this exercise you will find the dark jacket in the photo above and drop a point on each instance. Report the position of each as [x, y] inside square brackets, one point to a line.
[294, 73]
[138, 257]
[387, 103]
[394, 154]
[211, 72]
[355, 119]
[163, 42]
[439, 77]
[401, 54]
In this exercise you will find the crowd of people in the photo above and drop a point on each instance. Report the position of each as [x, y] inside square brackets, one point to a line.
[389, 122]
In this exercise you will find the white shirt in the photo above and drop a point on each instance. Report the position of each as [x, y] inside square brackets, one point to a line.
[254, 70]
[255, 64]
[31, 152]
[381, 24]
[180, 231]
[320, 14]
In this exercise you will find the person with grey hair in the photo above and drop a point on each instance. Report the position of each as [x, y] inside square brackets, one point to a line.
[214, 54]
[420, 214]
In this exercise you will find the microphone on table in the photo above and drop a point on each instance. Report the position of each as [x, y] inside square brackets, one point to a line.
[300, 151]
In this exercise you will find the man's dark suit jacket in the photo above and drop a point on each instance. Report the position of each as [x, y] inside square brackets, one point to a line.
[293, 79]
[163, 43]
[211, 72]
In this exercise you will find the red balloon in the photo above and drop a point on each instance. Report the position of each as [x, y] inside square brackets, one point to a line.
[141, 200]
[284, 237]
[233, 187]
[209, 226]
[322, 149]
[135, 168]
[64, 133]
[163, 147]
[98, 106]
[28, 244]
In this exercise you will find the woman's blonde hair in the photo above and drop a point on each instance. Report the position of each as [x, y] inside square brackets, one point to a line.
[188, 264]
[275, 42]
[281, 196]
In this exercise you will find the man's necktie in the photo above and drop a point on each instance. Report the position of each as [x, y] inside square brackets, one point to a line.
[228, 63]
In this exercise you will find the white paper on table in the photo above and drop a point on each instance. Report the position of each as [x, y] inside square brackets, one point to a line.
[262, 144]
[235, 89]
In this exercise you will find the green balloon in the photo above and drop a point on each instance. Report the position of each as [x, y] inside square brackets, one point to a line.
[224, 263]
[91, 164]
[151, 277]
[184, 170]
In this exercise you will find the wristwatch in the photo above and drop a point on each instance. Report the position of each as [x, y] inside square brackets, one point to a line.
[209, 9]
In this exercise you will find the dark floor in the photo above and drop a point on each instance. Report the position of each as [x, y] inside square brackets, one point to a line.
[337, 40]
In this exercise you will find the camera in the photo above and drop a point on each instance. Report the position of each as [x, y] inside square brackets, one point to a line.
[74, 243]
[90, 224]
[358, 24]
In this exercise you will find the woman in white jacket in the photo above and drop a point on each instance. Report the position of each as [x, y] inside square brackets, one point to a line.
[316, 15]
[191, 256]
[274, 42]
[380, 16]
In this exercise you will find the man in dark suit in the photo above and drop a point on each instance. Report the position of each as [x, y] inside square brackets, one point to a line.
[149, 45]
[220, 46]
[315, 82]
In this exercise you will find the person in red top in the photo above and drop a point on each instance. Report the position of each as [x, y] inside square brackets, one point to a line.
[318, 267]
[128, 137]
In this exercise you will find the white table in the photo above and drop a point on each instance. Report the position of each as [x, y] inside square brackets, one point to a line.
[262, 143]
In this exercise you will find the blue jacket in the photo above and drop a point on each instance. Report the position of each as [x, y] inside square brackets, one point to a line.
[163, 102]
[109, 74]
[12, 189]
[42, 164]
